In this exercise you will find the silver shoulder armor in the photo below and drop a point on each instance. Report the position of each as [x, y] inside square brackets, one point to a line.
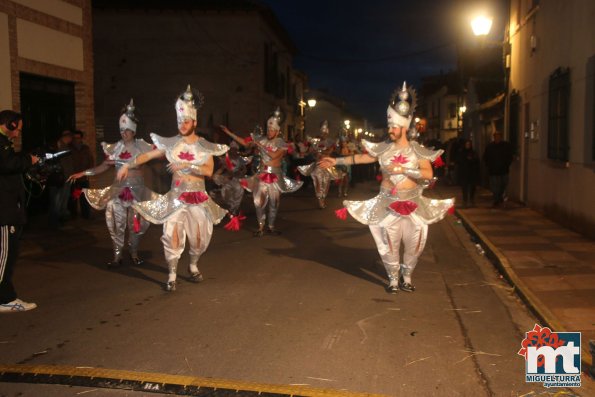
[425, 153]
[213, 149]
[376, 149]
[143, 145]
[164, 143]
[110, 149]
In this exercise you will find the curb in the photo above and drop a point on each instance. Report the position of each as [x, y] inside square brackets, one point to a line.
[540, 310]
[152, 382]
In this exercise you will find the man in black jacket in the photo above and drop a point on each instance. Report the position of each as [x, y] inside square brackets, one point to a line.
[498, 156]
[12, 208]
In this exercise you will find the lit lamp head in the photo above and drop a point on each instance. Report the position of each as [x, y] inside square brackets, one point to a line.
[481, 25]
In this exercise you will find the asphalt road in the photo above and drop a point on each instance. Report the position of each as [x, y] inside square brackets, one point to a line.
[307, 307]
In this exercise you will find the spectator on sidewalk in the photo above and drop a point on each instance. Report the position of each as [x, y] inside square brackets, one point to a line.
[498, 157]
[82, 159]
[467, 164]
[12, 208]
[58, 188]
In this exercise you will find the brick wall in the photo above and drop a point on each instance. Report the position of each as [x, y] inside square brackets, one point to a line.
[84, 111]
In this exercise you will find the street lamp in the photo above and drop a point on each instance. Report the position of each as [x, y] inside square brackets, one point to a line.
[481, 25]
[311, 102]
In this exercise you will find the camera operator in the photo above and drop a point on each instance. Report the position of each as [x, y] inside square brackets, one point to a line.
[12, 208]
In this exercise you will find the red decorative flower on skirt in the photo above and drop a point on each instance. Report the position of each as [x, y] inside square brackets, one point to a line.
[268, 177]
[76, 193]
[403, 207]
[126, 194]
[193, 197]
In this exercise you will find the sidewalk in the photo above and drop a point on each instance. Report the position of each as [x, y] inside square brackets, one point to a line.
[552, 268]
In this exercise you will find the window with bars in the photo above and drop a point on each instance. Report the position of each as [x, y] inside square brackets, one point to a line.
[558, 110]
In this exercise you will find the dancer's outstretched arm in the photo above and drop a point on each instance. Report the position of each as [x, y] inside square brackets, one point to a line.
[101, 168]
[139, 160]
[233, 136]
[327, 162]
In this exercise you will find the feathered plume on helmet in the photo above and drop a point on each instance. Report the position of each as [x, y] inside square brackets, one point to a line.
[324, 127]
[401, 107]
[275, 120]
[128, 120]
[187, 104]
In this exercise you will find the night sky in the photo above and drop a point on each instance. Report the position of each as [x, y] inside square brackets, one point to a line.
[361, 51]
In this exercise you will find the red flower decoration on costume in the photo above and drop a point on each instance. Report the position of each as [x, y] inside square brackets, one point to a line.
[438, 162]
[341, 213]
[186, 156]
[290, 149]
[400, 159]
[235, 222]
[539, 337]
[451, 210]
[136, 223]
[193, 197]
[76, 193]
[126, 194]
[244, 183]
[178, 183]
[403, 207]
[125, 155]
[228, 162]
[268, 177]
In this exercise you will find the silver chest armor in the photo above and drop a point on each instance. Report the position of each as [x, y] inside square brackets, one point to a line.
[264, 143]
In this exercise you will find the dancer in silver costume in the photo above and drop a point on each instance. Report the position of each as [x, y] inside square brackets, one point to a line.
[321, 147]
[228, 176]
[270, 182]
[118, 198]
[399, 213]
[186, 211]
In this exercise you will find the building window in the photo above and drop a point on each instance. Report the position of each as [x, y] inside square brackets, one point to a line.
[452, 110]
[558, 108]
[271, 70]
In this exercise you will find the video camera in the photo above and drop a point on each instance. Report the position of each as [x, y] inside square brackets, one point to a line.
[45, 167]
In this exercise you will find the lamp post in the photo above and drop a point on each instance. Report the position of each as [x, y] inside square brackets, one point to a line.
[310, 103]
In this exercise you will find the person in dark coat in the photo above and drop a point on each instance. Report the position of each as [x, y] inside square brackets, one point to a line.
[498, 157]
[12, 208]
[467, 163]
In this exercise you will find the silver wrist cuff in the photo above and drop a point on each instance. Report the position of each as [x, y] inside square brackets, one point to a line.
[132, 163]
[412, 173]
[89, 172]
[340, 161]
